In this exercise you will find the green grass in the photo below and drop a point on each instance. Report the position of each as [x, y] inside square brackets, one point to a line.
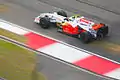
[13, 36]
[17, 63]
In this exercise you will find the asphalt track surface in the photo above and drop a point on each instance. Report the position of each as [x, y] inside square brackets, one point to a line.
[22, 12]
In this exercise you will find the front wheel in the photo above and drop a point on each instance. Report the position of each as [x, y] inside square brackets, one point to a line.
[44, 22]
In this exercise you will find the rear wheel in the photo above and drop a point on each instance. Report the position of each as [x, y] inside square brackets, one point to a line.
[102, 32]
[100, 35]
[44, 22]
[62, 13]
[85, 37]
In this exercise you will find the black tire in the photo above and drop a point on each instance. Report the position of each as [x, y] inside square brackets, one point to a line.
[100, 36]
[85, 37]
[102, 32]
[62, 13]
[44, 22]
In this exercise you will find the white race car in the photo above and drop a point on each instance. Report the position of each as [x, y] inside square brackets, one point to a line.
[45, 19]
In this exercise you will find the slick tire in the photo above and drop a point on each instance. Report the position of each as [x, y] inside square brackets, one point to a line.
[100, 35]
[45, 23]
[62, 13]
[102, 32]
[85, 37]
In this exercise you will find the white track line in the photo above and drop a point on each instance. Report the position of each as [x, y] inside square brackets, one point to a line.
[63, 52]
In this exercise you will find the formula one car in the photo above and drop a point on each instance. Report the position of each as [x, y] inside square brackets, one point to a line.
[78, 26]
